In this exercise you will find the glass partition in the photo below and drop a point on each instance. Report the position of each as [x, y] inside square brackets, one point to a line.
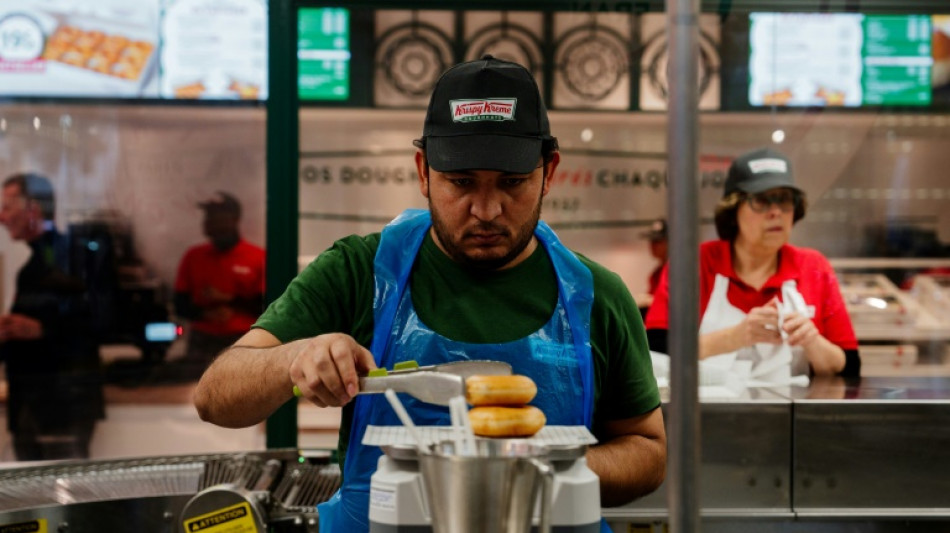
[856, 101]
[136, 189]
[863, 127]
[148, 193]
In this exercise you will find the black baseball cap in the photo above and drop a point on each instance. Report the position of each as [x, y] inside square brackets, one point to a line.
[485, 114]
[222, 202]
[657, 231]
[759, 171]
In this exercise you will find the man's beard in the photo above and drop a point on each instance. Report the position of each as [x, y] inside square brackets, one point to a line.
[521, 241]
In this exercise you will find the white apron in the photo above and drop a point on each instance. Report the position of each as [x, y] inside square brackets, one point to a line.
[772, 363]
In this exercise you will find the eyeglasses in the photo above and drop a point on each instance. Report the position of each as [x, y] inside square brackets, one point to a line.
[786, 199]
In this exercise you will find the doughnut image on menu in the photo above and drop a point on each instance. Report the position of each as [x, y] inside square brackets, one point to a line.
[500, 406]
[110, 54]
[940, 48]
[830, 96]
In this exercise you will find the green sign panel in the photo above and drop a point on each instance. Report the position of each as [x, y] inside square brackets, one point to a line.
[897, 60]
[323, 54]
[839, 59]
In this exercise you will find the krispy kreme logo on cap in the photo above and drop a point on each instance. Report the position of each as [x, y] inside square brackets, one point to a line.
[768, 164]
[485, 109]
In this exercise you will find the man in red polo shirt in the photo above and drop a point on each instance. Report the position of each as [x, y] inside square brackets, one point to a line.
[750, 273]
[220, 285]
[659, 249]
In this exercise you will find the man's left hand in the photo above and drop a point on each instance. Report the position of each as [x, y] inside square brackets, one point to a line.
[218, 313]
[15, 326]
[215, 296]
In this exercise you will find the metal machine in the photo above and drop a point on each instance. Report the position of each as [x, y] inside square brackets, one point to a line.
[933, 293]
[398, 499]
[275, 491]
[873, 300]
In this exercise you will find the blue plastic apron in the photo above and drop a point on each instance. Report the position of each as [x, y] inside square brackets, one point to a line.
[557, 357]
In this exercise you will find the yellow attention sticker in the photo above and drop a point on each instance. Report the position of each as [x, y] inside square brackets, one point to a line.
[233, 519]
[33, 526]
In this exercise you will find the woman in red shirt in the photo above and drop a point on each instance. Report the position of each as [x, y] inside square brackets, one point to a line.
[749, 277]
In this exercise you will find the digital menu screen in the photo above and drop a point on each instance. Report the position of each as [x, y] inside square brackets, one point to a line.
[146, 49]
[323, 54]
[105, 48]
[897, 60]
[839, 59]
[214, 49]
[940, 49]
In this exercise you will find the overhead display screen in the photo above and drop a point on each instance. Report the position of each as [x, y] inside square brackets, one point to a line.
[214, 49]
[323, 54]
[840, 59]
[940, 46]
[146, 49]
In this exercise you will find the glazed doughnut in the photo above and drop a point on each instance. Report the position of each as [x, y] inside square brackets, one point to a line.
[494, 421]
[499, 390]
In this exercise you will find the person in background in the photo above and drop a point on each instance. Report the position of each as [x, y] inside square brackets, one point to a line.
[219, 287]
[908, 283]
[659, 246]
[750, 272]
[46, 340]
[476, 276]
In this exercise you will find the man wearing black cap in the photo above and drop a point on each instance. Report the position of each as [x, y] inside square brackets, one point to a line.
[52, 359]
[219, 287]
[659, 247]
[476, 276]
[759, 295]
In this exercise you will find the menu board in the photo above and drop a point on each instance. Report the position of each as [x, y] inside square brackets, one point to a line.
[940, 49]
[208, 49]
[214, 49]
[101, 48]
[897, 60]
[839, 59]
[323, 54]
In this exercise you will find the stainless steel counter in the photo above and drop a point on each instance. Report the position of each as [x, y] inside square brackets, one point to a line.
[877, 447]
[858, 450]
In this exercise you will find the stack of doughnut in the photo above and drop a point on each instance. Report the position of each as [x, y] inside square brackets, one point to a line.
[500, 406]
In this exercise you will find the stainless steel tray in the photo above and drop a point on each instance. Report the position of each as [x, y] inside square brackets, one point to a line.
[563, 442]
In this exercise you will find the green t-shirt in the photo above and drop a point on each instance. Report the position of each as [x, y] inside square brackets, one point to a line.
[335, 292]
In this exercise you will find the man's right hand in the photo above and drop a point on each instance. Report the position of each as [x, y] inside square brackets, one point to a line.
[247, 382]
[15, 326]
[326, 368]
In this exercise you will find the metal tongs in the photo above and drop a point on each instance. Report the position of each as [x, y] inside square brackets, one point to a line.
[435, 384]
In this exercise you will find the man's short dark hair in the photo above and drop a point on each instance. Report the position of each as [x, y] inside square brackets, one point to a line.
[36, 188]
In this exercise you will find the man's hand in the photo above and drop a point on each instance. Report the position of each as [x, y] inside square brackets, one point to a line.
[212, 296]
[218, 313]
[247, 382]
[644, 299]
[15, 326]
[326, 368]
